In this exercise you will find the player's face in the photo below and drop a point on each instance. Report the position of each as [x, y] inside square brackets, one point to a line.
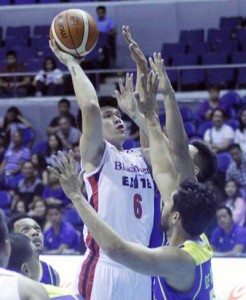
[33, 270]
[32, 230]
[166, 216]
[113, 126]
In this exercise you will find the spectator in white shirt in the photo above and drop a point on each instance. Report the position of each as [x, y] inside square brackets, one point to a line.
[49, 80]
[220, 136]
[240, 133]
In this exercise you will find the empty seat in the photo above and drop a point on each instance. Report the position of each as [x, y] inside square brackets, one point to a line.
[241, 78]
[214, 58]
[18, 32]
[230, 22]
[193, 78]
[224, 159]
[14, 42]
[190, 129]
[172, 49]
[25, 2]
[203, 127]
[199, 48]
[25, 53]
[5, 2]
[233, 123]
[41, 30]
[185, 60]
[222, 77]
[191, 36]
[225, 47]
[238, 57]
[240, 35]
[186, 113]
[231, 99]
[34, 65]
[215, 35]
[49, 1]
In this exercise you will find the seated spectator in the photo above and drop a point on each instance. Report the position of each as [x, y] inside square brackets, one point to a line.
[53, 193]
[30, 184]
[12, 121]
[63, 110]
[237, 168]
[221, 135]
[40, 167]
[106, 25]
[18, 207]
[10, 168]
[61, 237]
[54, 145]
[68, 134]
[49, 80]
[240, 133]
[77, 156]
[206, 108]
[14, 86]
[228, 239]
[235, 202]
[38, 211]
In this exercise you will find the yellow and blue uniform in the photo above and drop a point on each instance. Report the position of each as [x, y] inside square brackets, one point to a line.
[203, 286]
[48, 275]
[57, 293]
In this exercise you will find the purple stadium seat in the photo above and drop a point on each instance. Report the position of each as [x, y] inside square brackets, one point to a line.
[15, 42]
[191, 36]
[34, 65]
[199, 48]
[221, 77]
[18, 32]
[228, 47]
[186, 113]
[185, 60]
[193, 77]
[214, 58]
[241, 78]
[224, 159]
[190, 129]
[238, 57]
[41, 30]
[230, 23]
[25, 2]
[49, 1]
[5, 2]
[231, 99]
[40, 147]
[241, 35]
[203, 127]
[172, 49]
[233, 123]
[215, 35]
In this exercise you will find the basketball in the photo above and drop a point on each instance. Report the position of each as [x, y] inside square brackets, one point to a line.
[75, 32]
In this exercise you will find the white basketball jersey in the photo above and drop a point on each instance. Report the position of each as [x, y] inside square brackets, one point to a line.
[9, 285]
[121, 190]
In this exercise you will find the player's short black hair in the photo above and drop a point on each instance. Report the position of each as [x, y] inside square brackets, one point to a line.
[16, 218]
[205, 159]
[196, 205]
[3, 230]
[228, 210]
[64, 101]
[21, 251]
[234, 146]
[103, 101]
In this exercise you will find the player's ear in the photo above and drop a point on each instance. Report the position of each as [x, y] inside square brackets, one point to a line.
[25, 270]
[196, 170]
[175, 217]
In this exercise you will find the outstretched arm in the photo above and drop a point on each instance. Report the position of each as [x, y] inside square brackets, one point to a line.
[162, 261]
[91, 144]
[162, 166]
[178, 141]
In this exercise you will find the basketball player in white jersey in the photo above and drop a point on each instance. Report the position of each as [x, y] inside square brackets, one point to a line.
[12, 285]
[119, 187]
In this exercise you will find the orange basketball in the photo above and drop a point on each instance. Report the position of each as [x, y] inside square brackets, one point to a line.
[75, 32]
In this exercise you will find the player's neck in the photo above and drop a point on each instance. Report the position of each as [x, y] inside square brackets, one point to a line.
[178, 237]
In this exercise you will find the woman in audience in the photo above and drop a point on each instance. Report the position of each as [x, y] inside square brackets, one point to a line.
[40, 165]
[49, 80]
[54, 145]
[38, 211]
[18, 206]
[235, 202]
[240, 133]
[13, 120]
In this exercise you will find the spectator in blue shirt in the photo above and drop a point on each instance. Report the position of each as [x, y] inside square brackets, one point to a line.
[106, 26]
[61, 237]
[228, 239]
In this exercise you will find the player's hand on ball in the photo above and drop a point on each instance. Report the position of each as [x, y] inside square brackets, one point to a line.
[63, 57]
[157, 65]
